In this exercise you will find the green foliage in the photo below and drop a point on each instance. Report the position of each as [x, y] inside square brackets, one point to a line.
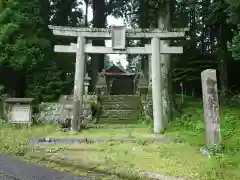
[230, 129]
[233, 11]
[45, 84]
[96, 109]
[27, 49]
[68, 13]
[190, 126]
[2, 96]
[234, 101]
[236, 46]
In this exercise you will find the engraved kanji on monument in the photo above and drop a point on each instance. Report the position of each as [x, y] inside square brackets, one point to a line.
[211, 107]
[118, 37]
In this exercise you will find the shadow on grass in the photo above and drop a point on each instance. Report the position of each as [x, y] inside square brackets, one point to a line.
[114, 124]
[94, 169]
[120, 121]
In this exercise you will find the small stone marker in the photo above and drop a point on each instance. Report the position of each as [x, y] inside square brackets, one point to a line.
[211, 107]
[18, 110]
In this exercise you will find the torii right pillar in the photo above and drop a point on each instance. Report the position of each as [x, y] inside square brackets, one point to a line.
[156, 87]
[157, 48]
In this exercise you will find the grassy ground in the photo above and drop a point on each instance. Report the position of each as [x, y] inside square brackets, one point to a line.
[175, 159]
[14, 139]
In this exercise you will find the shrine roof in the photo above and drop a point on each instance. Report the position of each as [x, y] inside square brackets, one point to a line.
[116, 70]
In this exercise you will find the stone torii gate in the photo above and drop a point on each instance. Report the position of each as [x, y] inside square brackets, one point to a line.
[118, 34]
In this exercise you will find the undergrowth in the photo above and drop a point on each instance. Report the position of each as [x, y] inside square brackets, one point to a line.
[190, 126]
[14, 138]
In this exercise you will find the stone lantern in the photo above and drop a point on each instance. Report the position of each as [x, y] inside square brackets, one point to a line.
[101, 85]
[86, 84]
[110, 83]
[143, 84]
[87, 107]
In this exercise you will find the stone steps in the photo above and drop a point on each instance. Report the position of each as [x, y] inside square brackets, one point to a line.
[119, 109]
[122, 104]
[117, 113]
[120, 98]
[115, 108]
[117, 121]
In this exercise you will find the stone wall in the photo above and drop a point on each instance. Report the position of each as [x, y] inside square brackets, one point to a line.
[61, 112]
[53, 112]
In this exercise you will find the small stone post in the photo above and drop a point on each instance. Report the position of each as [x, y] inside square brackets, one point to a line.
[211, 107]
[156, 87]
[78, 85]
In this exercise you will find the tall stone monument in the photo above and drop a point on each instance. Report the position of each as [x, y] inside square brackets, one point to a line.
[211, 107]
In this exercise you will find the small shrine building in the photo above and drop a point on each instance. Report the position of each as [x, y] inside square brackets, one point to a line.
[122, 80]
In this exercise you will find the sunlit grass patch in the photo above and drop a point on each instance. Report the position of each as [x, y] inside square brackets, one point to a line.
[173, 159]
[168, 159]
[111, 131]
[14, 138]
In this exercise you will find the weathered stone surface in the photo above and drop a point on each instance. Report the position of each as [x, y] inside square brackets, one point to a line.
[117, 113]
[101, 80]
[118, 37]
[108, 30]
[54, 113]
[204, 151]
[106, 33]
[143, 82]
[158, 123]
[59, 113]
[211, 107]
[119, 107]
[147, 109]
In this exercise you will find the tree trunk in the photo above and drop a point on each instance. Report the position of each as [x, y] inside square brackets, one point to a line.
[144, 24]
[86, 12]
[222, 65]
[164, 22]
[99, 21]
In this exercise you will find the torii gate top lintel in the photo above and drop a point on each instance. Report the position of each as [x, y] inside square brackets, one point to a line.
[118, 35]
[106, 33]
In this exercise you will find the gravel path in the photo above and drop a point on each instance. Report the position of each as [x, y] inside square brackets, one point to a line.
[15, 169]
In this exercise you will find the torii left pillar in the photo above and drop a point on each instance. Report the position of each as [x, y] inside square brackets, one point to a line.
[78, 85]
